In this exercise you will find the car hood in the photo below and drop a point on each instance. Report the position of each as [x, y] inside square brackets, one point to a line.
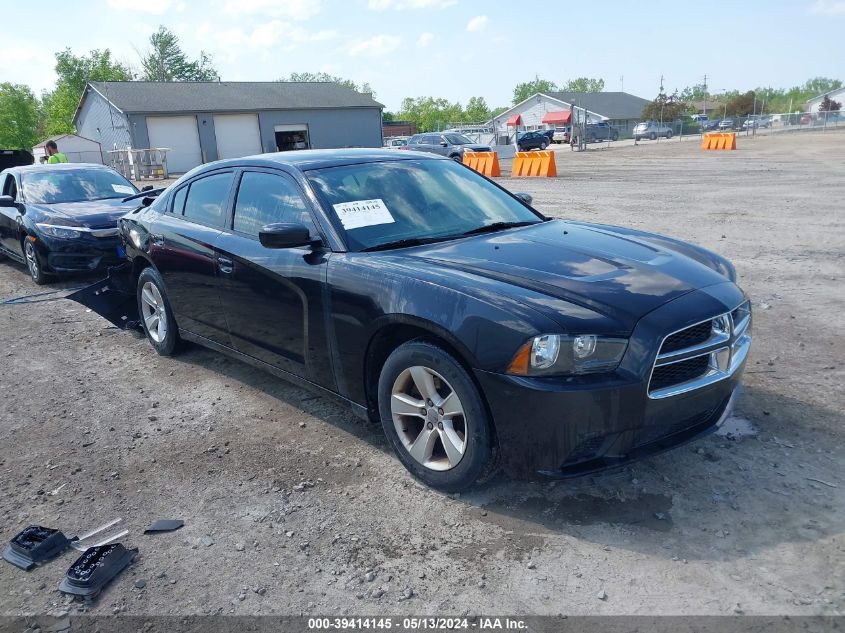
[476, 147]
[93, 214]
[620, 276]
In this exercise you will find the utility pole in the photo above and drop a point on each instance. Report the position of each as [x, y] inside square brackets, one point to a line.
[705, 95]
[662, 103]
[621, 83]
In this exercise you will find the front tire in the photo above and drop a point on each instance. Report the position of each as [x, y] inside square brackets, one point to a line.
[668, 135]
[543, 146]
[34, 263]
[652, 136]
[434, 417]
[156, 314]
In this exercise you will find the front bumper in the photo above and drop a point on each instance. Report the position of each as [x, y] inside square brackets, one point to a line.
[83, 254]
[566, 427]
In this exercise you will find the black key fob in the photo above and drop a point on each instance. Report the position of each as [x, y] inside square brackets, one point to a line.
[95, 569]
[35, 545]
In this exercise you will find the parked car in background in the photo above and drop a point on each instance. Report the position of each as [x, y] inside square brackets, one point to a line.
[562, 134]
[449, 144]
[60, 219]
[532, 140]
[701, 119]
[550, 134]
[805, 119]
[431, 300]
[755, 122]
[396, 142]
[726, 124]
[710, 125]
[601, 131]
[651, 130]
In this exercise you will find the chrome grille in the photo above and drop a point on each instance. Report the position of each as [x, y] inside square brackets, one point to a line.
[702, 353]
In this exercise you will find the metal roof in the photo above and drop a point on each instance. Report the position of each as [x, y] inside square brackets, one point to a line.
[229, 96]
[613, 105]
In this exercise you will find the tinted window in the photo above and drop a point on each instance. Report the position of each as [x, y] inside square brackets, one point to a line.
[10, 188]
[179, 201]
[207, 199]
[266, 199]
[431, 139]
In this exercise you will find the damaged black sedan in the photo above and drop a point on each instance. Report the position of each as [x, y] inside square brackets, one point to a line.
[476, 331]
[62, 219]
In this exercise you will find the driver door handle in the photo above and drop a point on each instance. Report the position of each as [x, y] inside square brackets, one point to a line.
[225, 265]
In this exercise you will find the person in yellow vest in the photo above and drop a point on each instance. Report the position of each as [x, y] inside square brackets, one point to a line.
[55, 155]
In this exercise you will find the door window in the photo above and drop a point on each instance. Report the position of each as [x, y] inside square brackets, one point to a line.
[206, 201]
[179, 201]
[10, 187]
[267, 199]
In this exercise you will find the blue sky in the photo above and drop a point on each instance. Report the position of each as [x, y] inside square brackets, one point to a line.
[450, 48]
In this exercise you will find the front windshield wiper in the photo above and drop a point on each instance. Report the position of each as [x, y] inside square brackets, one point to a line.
[497, 226]
[408, 241]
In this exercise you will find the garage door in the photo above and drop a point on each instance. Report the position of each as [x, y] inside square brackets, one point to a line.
[237, 135]
[179, 134]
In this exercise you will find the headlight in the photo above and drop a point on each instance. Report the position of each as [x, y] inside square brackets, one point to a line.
[561, 355]
[65, 232]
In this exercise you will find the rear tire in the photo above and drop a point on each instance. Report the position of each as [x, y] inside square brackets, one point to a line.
[652, 136]
[156, 314]
[450, 446]
[543, 146]
[668, 134]
[457, 157]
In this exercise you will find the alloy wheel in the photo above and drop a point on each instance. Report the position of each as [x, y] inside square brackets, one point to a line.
[31, 259]
[153, 312]
[429, 418]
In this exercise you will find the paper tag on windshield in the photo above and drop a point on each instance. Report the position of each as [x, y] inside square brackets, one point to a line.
[361, 213]
[123, 189]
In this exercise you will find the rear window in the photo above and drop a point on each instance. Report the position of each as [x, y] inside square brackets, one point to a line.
[206, 201]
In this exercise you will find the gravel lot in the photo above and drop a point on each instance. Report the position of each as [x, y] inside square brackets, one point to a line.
[292, 505]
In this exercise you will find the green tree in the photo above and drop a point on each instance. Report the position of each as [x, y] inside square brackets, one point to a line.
[73, 72]
[665, 108]
[529, 88]
[19, 117]
[430, 114]
[583, 84]
[695, 93]
[166, 61]
[476, 110]
[820, 85]
[363, 87]
[742, 105]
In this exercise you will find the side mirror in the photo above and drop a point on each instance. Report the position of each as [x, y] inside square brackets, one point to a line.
[7, 201]
[147, 188]
[285, 235]
[444, 144]
[527, 198]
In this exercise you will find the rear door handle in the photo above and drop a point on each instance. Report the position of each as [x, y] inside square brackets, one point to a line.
[225, 265]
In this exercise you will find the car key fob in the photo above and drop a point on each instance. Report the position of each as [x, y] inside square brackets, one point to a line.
[35, 545]
[95, 569]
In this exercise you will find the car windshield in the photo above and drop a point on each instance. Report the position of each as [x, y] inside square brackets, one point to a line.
[52, 186]
[457, 139]
[382, 203]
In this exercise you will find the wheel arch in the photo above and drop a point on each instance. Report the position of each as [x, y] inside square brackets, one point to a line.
[390, 332]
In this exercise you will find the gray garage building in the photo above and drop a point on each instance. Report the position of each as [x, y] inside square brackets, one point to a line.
[204, 121]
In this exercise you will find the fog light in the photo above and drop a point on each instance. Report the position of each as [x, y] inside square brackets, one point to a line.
[584, 345]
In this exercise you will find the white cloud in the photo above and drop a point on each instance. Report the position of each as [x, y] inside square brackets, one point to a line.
[401, 5]
[828, 7]
[289, 9]
[23, 63]
[425, 39]
[478, 23]
[376, 46]
[150, 6]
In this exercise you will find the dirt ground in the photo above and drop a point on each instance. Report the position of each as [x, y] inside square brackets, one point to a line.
[292, 505]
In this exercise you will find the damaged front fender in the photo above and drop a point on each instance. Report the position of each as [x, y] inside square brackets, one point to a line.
[113, 298]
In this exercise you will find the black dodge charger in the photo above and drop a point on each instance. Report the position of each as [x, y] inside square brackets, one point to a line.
[60, 219]
[477, 331]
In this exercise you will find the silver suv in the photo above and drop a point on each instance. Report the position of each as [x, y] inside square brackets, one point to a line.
[651, 130]
[449, 144]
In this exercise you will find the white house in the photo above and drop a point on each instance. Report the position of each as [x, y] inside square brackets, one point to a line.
[837, 95]
[78, 149]
[545, 110]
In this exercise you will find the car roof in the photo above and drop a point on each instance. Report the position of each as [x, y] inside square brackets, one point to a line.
[308, 159]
